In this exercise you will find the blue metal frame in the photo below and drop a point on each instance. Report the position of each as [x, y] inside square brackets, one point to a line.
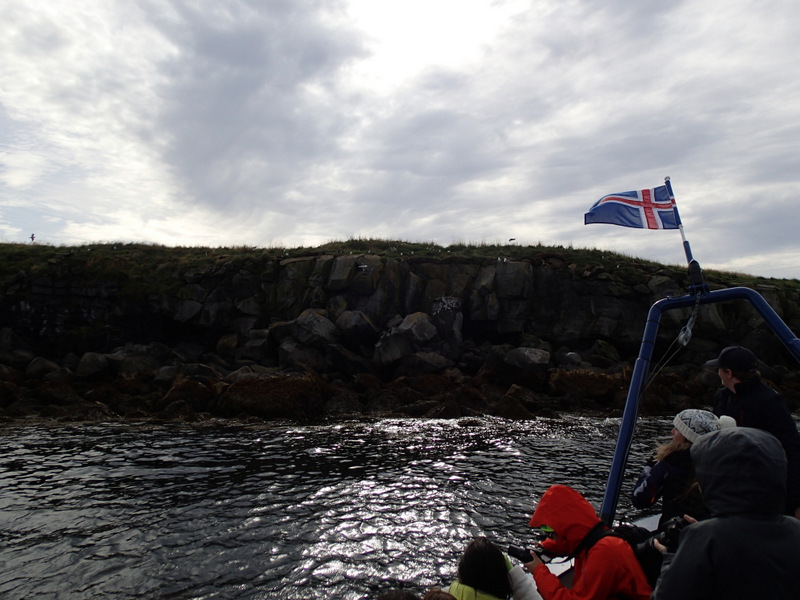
[642, 366]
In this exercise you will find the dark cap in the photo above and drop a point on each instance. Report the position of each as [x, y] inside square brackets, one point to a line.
[735, 358]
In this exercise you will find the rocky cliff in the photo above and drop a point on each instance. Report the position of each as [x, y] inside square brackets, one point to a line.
[136, 332]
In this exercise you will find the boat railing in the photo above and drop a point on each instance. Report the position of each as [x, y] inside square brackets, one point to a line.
[641, 368]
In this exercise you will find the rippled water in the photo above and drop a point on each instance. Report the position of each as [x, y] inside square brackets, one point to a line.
[337, 511]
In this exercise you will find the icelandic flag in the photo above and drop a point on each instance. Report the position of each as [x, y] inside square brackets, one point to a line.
[644, 209]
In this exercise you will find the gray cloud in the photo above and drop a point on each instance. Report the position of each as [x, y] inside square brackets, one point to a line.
[279, 121]
[251, 99]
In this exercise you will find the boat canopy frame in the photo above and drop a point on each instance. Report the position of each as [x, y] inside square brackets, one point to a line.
[699, 294]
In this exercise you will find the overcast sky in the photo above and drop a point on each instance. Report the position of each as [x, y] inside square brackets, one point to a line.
[285, 123]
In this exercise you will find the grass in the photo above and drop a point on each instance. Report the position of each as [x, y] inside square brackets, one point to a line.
[143, 271]
[153, 267]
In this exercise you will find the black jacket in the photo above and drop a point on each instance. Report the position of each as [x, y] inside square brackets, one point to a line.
[756, 405]
[747, 549]
[670, 479]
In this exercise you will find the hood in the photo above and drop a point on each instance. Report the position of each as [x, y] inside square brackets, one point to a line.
[741, 470]
[569, 514]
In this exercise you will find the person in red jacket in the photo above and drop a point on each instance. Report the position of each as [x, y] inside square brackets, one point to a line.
[605, 566]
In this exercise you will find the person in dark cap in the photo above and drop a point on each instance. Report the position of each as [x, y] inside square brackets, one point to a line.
[746, 398]
[747, 549]
[736, 358]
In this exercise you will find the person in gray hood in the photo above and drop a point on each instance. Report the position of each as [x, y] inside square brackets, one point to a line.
[747, 549]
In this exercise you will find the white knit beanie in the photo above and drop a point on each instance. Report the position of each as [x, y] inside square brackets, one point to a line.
[694, 422]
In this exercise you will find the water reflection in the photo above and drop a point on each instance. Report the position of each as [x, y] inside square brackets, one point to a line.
[283, 511]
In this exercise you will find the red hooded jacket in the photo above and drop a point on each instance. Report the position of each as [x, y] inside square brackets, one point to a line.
[608, 569]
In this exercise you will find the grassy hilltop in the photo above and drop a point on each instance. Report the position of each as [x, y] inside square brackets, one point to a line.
[149, 267]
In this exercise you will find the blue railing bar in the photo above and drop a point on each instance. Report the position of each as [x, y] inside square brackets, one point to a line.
[642, 367]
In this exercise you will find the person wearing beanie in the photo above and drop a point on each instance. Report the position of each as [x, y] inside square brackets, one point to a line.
[694, 422]
[746, 548]
[669, 474]
[752, 403]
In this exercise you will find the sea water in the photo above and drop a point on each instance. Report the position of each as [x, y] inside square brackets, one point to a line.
[221, 510]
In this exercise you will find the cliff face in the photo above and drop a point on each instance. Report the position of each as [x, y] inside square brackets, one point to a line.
[524, 321]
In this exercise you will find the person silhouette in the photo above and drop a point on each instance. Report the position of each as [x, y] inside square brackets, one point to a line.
[744, 396]
[747, 548]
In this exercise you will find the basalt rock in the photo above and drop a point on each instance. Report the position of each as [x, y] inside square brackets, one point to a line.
[299, 396]
[326, 336]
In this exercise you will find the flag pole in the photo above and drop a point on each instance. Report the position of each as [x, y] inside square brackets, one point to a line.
[695, 272]
[686, 248]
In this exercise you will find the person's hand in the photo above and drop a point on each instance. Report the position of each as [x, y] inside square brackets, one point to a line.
[797, 513]
[661, 547]
[534, 562]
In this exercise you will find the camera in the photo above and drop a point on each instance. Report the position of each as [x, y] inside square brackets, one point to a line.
[524, 554]
[670, 531]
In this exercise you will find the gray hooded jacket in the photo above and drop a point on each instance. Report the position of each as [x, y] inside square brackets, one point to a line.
[747, 549]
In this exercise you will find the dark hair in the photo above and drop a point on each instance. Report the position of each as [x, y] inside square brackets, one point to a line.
[438, 595]
[745, 375]
[483, 567]
[397, 595]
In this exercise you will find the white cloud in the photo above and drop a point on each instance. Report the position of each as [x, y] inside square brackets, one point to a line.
[285, 123]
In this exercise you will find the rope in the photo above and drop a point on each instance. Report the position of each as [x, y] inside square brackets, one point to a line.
[681, 340]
